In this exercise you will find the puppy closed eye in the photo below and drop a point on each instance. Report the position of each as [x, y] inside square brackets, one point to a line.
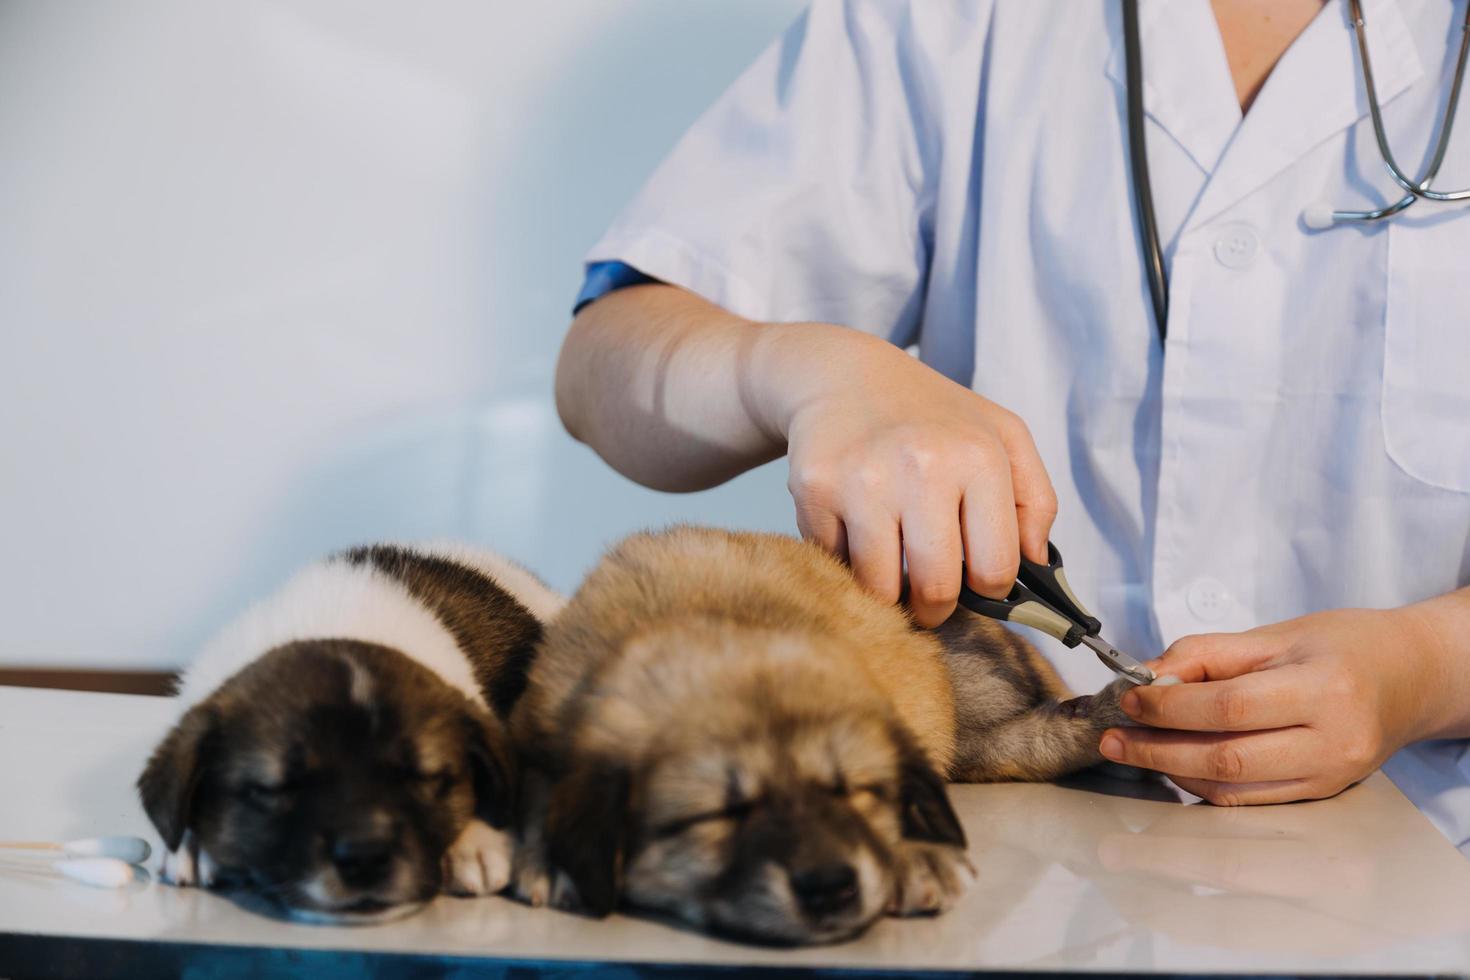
[437, 782]
[265, 796]
[731, 811]
[842, 788]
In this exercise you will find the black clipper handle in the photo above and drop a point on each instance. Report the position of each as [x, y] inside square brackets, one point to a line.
[1027, 608]
[1049, 583]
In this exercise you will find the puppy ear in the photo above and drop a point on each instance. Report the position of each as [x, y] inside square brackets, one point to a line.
[927, 813]
[492, 764]
[586, 828]
[171, 779]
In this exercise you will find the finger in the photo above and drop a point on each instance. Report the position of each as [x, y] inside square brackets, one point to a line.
[1283, 753]
[824, 527]
[1036, 500]
[1249, 794]
[988, 527]
[874, 553]
[1218, 656]
[1248, 703]
[931, 543]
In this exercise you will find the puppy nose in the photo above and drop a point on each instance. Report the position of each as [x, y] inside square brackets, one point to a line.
[362, 860]
[825, 890]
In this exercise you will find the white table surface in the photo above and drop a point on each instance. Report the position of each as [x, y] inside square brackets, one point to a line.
[1071, 878]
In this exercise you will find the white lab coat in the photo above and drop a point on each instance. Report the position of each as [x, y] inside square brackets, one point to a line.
[954, 175]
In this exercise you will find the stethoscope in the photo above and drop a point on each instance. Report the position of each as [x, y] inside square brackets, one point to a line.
[1317, 217]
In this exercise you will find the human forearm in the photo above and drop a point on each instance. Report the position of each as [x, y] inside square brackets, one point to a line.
[679, 394]
[1441, 627]
[655, 379]
[891, 463]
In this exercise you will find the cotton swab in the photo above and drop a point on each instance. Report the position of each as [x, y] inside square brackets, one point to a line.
[102, 862]
[129, 850]
[99, 872]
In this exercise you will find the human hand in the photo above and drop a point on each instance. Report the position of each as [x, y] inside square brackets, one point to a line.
[1296, 710]
[890, 460]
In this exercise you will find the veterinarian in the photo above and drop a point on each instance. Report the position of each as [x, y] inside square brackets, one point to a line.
[1278, 490]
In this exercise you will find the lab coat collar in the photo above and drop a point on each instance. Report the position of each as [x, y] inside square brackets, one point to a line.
[1313, 93]
[1187, 89]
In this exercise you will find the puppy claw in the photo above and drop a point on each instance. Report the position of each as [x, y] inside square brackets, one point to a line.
[478, 862]
[930, 879]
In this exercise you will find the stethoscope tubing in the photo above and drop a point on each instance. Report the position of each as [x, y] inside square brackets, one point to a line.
[1153, 253]
[1143, 195]
[1419, 188]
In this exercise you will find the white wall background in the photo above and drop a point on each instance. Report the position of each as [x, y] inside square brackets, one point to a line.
[277, 277]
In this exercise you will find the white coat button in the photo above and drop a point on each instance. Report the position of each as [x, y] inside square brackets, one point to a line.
[1208, 599]
[1236, 247]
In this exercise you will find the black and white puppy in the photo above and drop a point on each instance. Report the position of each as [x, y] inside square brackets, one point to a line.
[341, 749]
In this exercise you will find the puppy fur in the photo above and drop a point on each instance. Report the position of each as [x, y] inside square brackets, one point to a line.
[341, 748]
[726, 728]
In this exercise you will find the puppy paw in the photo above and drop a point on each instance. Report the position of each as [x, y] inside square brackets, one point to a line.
[187, 866]
[929, 878]
[479, 861]
[177, 868]
[1101, 710]
[1108, 714]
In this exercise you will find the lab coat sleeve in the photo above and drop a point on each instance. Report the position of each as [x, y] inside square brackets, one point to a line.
[805, 192]
[1436, 777]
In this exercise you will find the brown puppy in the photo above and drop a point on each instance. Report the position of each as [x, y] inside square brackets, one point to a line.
[341, 750]
[726, 728]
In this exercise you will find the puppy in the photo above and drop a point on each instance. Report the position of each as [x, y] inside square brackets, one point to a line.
[342, 749]
[726, 728]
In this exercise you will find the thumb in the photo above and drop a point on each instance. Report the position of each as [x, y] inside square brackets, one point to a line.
[1212, 657]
